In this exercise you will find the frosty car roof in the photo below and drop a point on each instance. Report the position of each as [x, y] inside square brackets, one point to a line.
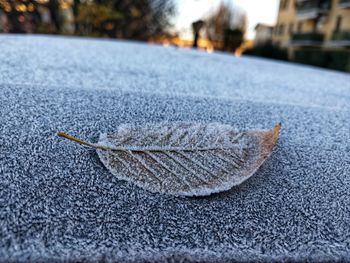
[59, 202]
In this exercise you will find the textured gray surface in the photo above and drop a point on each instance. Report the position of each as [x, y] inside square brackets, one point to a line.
[58, 202]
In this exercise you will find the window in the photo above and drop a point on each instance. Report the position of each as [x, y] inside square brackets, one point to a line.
[282, 4]
[300, 26]
[338, 23]
[286, 2]
[281, 30]
[291, 27]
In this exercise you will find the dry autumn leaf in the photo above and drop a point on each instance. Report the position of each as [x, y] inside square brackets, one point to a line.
[181, 158]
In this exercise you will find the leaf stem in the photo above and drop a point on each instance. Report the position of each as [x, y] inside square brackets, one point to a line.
[74, 139]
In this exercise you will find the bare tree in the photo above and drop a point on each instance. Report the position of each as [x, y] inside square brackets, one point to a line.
[226, 26]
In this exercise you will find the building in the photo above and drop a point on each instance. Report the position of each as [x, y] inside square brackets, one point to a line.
[308, 27]
[263, 34]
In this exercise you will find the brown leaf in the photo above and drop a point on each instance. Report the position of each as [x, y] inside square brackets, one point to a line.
[181, 158]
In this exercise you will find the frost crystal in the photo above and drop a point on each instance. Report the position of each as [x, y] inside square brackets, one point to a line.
[179, 158]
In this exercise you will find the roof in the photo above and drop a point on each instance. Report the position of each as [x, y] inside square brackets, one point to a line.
[58, 202]
[260, 25]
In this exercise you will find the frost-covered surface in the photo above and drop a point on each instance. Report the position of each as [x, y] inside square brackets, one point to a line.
[58, 202]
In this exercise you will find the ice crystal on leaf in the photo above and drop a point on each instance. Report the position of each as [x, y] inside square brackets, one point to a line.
[183, 158]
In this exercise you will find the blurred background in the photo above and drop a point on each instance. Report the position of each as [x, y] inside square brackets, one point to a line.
[315, 32]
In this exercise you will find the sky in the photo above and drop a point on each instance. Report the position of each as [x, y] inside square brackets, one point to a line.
[258, 11]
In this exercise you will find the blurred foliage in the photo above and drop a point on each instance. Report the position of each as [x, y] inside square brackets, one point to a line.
[341, 35]
[268, 50]
[233, 38]
[332, 59]
[309, 36]
[131, 19]
[96, 19]
[139, 20]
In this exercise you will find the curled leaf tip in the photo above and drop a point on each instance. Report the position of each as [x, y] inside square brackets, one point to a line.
[276, 131]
